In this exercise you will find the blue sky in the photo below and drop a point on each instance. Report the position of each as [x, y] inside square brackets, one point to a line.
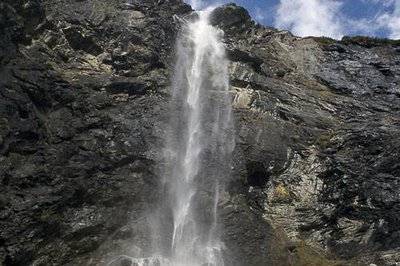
[333, 18]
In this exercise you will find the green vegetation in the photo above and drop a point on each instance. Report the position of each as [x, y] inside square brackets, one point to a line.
[328, 93]
[4, 124]
[369, 42]
[324, 40]
[324, 139]
[48, 215]
[300, 253]
[310, 256]
[364, 41]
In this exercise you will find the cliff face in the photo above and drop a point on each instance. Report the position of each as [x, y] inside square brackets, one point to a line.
[83, 93]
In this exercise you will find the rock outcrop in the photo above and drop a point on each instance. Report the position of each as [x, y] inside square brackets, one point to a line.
[83, 93]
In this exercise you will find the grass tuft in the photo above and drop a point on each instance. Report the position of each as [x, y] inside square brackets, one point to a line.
[4, 124]
[324, 41]
[370, 42]
[299, 253]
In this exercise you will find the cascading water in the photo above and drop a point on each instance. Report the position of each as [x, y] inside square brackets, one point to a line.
[199, 143]
[198, 146]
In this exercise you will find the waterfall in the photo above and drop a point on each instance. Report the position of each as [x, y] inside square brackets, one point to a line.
[199, 143]
[199, 140]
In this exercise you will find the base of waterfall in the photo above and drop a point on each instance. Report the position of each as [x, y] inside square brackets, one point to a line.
[151, 261]
[128, 261]
[202, 256]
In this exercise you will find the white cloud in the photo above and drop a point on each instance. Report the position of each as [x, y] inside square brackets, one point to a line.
[391, 20]
[259, 14]
[196, 4]
[363, 26]
[310, 17]
[327, 17]
[380, 2]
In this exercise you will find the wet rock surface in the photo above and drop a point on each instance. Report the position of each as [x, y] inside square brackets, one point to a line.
[83, 94]
[323, 121]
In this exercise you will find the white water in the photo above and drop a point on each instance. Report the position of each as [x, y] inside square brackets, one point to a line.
[199, 143]
[198, 146]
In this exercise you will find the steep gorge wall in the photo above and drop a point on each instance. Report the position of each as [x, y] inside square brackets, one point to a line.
[83, 93]
[318, 121]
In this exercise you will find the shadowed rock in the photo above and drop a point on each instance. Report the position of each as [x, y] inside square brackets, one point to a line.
[83, 102]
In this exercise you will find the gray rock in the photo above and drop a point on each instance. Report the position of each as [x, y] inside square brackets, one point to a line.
[83, 99]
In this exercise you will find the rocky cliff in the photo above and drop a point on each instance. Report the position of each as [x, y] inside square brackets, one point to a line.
[83, 93]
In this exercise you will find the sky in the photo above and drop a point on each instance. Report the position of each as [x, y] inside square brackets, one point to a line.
[330, 18]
